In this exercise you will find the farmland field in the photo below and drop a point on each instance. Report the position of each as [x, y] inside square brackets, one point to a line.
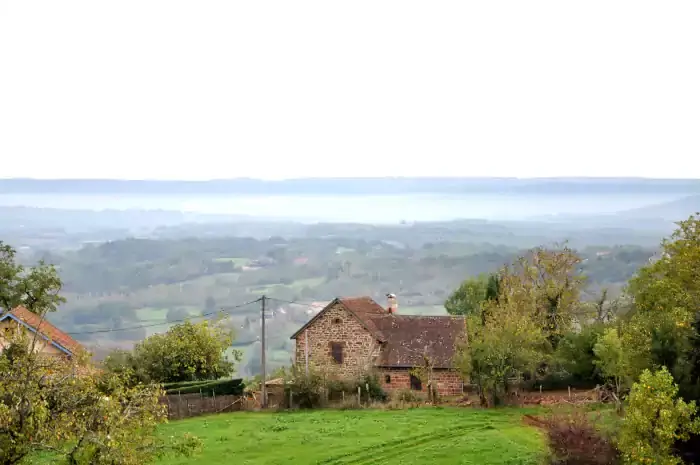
[414, 436]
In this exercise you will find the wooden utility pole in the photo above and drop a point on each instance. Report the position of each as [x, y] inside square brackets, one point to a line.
[262, 340]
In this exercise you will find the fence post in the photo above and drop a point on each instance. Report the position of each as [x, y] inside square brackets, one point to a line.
[569, 392]
[359, 395]
[291, 402]
[368, 397]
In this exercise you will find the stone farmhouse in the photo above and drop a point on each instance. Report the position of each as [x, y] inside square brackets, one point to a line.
[357, 334]
[52, 341]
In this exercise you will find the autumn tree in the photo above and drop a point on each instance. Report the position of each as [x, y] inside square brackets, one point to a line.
[555, 281]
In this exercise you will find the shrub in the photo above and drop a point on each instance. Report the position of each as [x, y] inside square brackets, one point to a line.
[307, 391]
[222, 387]
[406, 395]
[655, 419]
[574, 440]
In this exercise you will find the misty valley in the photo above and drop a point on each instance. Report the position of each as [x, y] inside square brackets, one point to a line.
[129, 273]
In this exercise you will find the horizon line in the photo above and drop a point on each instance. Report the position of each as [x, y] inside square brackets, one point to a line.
[316, 178]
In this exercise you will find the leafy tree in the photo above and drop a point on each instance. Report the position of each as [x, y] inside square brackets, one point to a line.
[611, 359]
[186, 352]
[503, 347]
[576, 355]
[60, 404]
[36, 288]
[469, 296]
[663, 330]
[655, 419]
[554, 278]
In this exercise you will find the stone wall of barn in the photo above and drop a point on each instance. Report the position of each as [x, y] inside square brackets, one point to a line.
[449, 382]
[337, 325]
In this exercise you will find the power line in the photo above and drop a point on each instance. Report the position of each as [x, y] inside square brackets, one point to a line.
[203, 315]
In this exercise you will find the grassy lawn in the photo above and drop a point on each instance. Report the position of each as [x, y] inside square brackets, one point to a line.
[415, 436]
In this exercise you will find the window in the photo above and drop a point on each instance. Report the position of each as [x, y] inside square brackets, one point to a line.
[337, 352]
[337, 321]
[387, 379]
[416, 385]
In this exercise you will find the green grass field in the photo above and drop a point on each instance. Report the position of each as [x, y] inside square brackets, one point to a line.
[414, 436]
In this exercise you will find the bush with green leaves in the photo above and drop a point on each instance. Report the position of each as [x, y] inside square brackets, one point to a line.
[655, 419]
[576, 356]
[222, 387]
[186, 352]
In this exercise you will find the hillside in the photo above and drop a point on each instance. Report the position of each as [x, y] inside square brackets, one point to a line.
[675, 210]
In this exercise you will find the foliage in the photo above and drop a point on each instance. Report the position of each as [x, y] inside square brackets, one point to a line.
[655, 419]
[60, 404]
[36, 288]
[554, 282]
[407, 396]
[186, 352]
[576, 355]
[224, 387]
[468, 298]
[662, 329]
[307, 390]
[574, 440]
[424, 372]
[611, 359]
[507, 345]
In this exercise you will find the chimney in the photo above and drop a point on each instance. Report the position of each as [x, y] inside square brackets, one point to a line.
[392, 306]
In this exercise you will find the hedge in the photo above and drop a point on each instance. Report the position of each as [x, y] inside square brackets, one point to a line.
[207, 388]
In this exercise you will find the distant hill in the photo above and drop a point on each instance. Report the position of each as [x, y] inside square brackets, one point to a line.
[675, 210]
[354, 186]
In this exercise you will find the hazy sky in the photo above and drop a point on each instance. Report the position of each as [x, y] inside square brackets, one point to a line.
[222, 89]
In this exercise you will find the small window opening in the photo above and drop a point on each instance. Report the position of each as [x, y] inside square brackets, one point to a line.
[337, 321]
[337, 352]
[387, 379]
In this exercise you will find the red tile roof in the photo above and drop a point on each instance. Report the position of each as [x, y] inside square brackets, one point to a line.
[47, 329]
[409, 337]
[365, 309]
[405, 338]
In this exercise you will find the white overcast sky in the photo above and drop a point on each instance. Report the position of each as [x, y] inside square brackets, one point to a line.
[280, 89]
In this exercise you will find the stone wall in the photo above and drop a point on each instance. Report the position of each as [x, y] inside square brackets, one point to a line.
[449, 382]
[337, 325]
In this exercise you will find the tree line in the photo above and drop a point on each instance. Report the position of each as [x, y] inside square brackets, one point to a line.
[527, 323]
